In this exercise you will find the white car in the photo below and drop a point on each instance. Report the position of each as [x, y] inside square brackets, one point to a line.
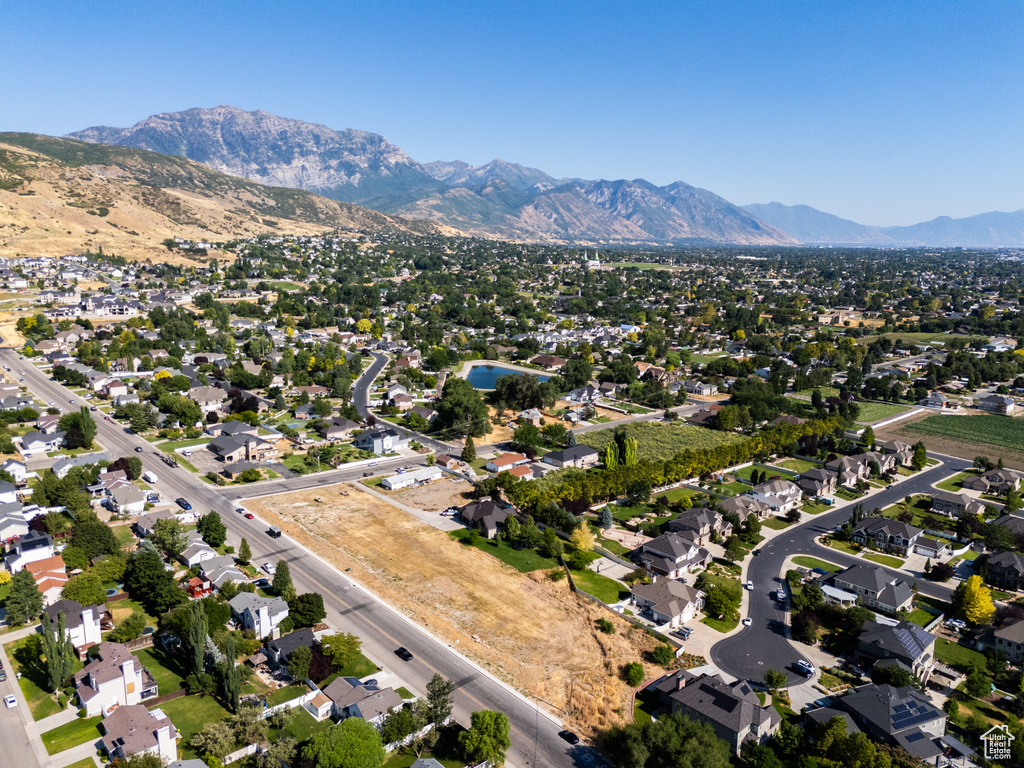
[9, 701]
[750, 586]
[747, 621]
[270, 569]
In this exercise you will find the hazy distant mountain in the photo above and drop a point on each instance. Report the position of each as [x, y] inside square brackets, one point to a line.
[498, 199]
[814, 227]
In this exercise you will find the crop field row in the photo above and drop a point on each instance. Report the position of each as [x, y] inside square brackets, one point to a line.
[1001, 431]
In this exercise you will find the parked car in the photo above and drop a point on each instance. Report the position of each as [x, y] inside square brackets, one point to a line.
[750, 586]
[183, 503]
[9, 701]
[240, 510]
[403, 653]
[747, 621]
[569, 736]
[805, 668]
[269, 568]
[249, 516]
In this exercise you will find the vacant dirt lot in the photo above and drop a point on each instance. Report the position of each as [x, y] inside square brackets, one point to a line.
[534, 633]
[434, 497]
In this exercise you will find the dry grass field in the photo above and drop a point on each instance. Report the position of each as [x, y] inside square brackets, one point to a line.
[534, 633]
[434, 497]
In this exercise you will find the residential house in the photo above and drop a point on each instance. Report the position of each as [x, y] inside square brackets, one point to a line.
[381, 441]
[232, 448]
[1009, 639]
[700, 388]
[817, 482]
[700, 525]
[30, 548]
[114, 678]
[744, 506]
[234, 471]
[197, 550]
[902, 717]
[874, 587]
[932, 548]
[506, 461]
[672, 555]
[403, 402]
[903, 453]
[451, 463]
[427, 414]
[1005, 569]
[905, 642]
[530, 416]
[587, 394]
[779, 495]
[222, 569]
[486, 515]
[352, 698]
[145, 525]
[260, 614]
[51, 575]
[17, 470]
[667, 601]
[997, 482]
[1013, 523]
[233, 428]
[579, 456]
[997, 403]
[955, 504]
[420, 476]
[35, 443]
[887, 535]
[128, 500]
[135, 730]
[549, 362]
[279, 651]
[13, 524]
[81, 623]
[209, 399]
[733, 710]
[198, 587]
[338, 428]
[62, 466]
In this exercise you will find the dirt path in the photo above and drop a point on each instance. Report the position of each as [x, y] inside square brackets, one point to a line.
[534, 633]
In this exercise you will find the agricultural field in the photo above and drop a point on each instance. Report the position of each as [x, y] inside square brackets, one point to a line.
[935, 339]
[659, 442]
[970, 436]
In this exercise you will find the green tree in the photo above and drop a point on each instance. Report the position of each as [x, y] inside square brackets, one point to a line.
[439, 699]
[734, 551]
[487, 737]
[146, 580]
[216, 739]
[59, 653]
[134, 467]
[307, 609]
[231, 676]
[282, 583]
[461, 410]
[469, 451]
[299, 661]
[353, 743]
[130, 628]
[86, 588]
[674, 740]
[342, 648]
[629, 451]
[24, 600]
[775, 680]
[212, 529]
[94, 539]
[663, 655]
[195, 639]
[868, 437]
[169, 537]
[244, 552]
[978, 684]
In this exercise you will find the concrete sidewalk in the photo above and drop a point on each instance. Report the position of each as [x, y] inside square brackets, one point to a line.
[73, 755]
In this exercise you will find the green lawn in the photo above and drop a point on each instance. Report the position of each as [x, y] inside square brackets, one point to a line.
[170, 445]
[844, 546]
[776, 523]
[405, 693]
[825, 392]
[446, 751]
[85, 762]
[842, 493]
[957, 655]
[799, 465]
[603, 588]
[721, 625]
[872, 412]
[814, 509]
[284, 285]
[658, 442]
[731, 585]
[746, 472]
[189, 714]
[41, 703]
[888, 560]
[302, 725]
[952, 484]
[69, 735]
[359, 667]
[812, 562]
[921, 617]
[523, 560]
[680, 493]
[783, 709]
[164, 668]
[644, 706]
[289, 692]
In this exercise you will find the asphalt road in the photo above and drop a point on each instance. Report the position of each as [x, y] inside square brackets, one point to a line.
[763, 645]
[17, 747]
[534, 735]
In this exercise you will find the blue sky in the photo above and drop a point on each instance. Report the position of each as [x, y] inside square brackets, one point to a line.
[883, 112]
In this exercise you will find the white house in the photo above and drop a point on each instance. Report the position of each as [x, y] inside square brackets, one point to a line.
[260, 614]
[780, 495]
[30, 548]
[128, 500]
[114, 677]
[380, 441]
[34, 443]
[409, 479]
[17, 470]
[81, 624]
[667, 601]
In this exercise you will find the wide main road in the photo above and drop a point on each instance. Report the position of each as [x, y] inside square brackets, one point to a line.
[534, 735]
[763, 645]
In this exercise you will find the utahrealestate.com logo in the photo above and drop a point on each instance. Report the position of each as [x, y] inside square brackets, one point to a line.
[997, 742]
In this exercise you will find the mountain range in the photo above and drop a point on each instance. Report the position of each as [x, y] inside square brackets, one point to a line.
[499, 199]
[58, 195]
[813, 227]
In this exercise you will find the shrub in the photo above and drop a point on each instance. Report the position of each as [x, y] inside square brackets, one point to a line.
[633, 673]
[663, 655]
[606, 626]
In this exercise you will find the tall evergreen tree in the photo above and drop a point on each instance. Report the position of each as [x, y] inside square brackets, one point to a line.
[283, 581]
[195, 638]
[231, 676]
[244, 552]
[469, 451]
[59, 653]
[24, 600]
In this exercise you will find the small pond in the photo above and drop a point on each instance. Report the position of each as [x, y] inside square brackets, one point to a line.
[485, 376]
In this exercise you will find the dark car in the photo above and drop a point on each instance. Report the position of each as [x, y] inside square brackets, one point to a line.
[3, 676]
[181, 502]
[138, 449]
[569, 736]
[403, 653]
[756, 552]
[261, 583]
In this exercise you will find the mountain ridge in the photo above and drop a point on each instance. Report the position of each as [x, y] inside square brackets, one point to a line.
[498, 199]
